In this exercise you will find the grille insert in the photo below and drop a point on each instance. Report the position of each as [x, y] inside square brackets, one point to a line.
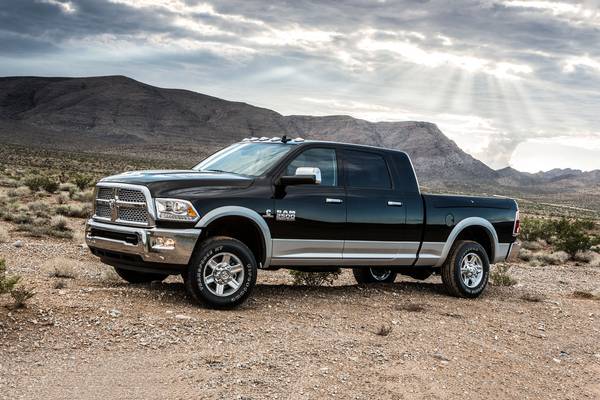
[122, 205]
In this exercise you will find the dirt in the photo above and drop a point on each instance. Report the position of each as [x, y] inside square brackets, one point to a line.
[100, 338]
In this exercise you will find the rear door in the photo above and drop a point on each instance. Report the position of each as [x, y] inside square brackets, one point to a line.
[315, 233]
[376, 231]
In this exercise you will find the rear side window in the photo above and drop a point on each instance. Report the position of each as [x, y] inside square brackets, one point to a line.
[366, 170]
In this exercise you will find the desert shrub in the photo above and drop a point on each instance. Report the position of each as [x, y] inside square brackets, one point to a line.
[554, 258]
[7, 283]
[572, 236]
[21, 295]
[533, 229]
[314, 278]
[82, 181]
[500, 276]
[525, 255]
[20, 191]
[85, 197]
[63, 198]
[61, 267]
[384, 330]
[538, 244]
[75, 211]
[60, 223]
[67, 187]
[8, 182]
[4, 236]
[39, 209]
[43, 182]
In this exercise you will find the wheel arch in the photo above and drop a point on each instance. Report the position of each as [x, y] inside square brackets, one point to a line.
[473, 228]
[222, 217]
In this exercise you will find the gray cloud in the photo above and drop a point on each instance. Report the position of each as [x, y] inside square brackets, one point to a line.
[503, 71]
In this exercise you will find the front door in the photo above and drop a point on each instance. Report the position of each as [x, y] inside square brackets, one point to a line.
[376, 213]
[308, 220]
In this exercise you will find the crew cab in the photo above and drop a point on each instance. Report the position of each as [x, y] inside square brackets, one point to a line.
[264, 204]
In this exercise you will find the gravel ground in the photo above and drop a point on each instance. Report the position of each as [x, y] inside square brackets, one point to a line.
[100, 338]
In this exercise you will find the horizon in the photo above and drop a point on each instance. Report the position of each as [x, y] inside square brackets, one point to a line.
[512, 83]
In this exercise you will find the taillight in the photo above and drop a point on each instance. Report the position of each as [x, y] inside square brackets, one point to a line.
[517, 227]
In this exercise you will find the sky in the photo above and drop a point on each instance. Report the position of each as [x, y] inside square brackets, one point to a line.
[513, 83]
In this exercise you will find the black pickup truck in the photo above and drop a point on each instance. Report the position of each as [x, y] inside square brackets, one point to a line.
[305, 205]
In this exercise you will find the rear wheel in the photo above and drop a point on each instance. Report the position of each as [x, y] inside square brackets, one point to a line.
[466, 270]
[221, 273]
[139, 277]
[374, 275]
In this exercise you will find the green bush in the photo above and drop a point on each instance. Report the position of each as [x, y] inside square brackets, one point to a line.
[536, 228]
[500, 276]
[82, 181]
[44, 182]
[314, 278]
[572, 236]
[7, 283]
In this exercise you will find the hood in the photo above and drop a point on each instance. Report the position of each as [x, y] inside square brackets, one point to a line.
[170, 182]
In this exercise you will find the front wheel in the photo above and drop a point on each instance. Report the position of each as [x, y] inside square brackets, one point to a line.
[221, 273]
[139, 277]
[466, 270]
[374, 275]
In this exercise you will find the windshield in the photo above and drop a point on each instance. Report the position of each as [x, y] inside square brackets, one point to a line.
[251, 159]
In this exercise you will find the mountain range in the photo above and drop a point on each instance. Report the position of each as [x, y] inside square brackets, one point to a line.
[116, 114]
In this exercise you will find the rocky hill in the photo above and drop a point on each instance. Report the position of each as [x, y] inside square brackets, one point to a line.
[119, 114]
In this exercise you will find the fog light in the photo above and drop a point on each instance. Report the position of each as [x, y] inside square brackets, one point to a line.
[164, 243]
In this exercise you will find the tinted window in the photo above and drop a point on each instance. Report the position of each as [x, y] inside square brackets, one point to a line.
[324, 159]
[366, 170]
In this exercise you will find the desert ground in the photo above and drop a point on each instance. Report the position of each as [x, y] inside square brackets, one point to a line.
[88, 335]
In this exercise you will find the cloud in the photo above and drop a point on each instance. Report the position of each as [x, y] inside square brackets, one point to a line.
[492, 73]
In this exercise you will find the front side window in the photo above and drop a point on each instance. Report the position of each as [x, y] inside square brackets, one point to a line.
[366, 170]
[252, 159]
[324, 159]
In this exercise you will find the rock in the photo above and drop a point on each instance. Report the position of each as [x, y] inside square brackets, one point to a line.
[18, 244]
[182, 317]
[114, 313]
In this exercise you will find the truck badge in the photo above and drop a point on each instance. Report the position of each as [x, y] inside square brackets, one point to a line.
[285, 215]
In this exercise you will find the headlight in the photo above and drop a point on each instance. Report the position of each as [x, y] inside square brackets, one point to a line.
[176, 210]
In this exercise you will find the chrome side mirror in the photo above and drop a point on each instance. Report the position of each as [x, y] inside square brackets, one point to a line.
[310, 171]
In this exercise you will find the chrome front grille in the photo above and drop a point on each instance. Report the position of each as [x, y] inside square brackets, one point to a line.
[122, 205]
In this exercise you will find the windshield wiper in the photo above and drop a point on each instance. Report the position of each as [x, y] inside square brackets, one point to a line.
[218, 170]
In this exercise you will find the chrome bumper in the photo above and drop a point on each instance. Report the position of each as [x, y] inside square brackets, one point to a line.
[513, 253]
[170, 246]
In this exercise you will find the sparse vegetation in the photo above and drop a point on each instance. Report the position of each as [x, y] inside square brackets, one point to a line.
[500, 276]
[384, 330]
[61, 267]
[83, 181]
[4, 236]
[314, 278]
[41, 182]
[8, 284]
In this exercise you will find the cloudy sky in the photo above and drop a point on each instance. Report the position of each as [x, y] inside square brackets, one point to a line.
[512, 82]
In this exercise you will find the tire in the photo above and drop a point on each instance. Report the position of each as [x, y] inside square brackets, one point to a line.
[373, 275]
[466, 270]
[419, 274]
[221, 273]
[139, 277]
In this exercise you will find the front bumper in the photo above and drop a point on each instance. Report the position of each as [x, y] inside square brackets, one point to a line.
[151, 245]
[513, 252]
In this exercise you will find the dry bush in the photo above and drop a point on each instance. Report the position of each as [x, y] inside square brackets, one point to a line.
[595, 260]
[4, 235]
[21, 295]
[39, 209]
[21, 191]
[314, 278]
[384, 330]
[8, 182]
[555, 258]
[535, 245]
[500, 276]
[85, 197]
[61, 267]
[63, 198]
[579, 294]
[533, 297]
[526, 255]
[67, 187]
[60, 223]
[74, 210]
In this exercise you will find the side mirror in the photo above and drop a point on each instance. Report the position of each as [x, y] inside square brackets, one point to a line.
[303, 176]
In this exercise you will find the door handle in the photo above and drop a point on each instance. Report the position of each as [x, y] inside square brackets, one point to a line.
[334, 201]
[395, 203]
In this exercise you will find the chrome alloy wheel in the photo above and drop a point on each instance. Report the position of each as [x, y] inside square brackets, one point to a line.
[224, 274]
[471, 270]
[380, 274]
